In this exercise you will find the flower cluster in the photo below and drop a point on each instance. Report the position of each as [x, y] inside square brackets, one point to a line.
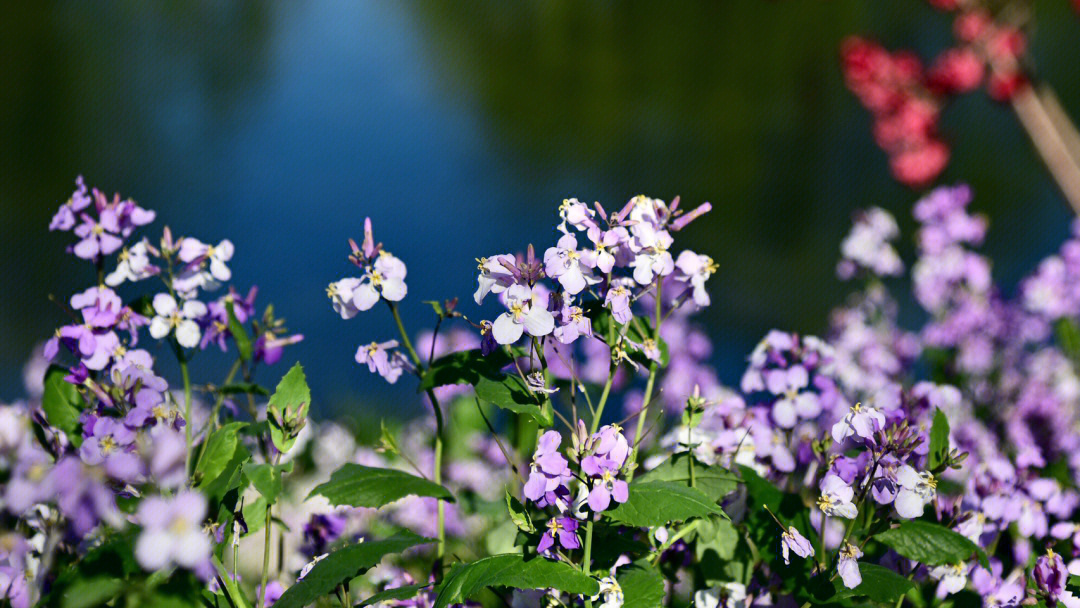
[906, 97]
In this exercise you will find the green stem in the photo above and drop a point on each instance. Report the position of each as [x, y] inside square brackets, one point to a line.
[440, 517]
[266, 546]
[674, 538]
[586, 560]
[604, 397]
[187, 411]
[643, 414]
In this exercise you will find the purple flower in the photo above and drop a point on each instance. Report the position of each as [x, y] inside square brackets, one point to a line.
[605, 244]
[563, 529]
[618, 301]
[572, 324]
[1050, 575]
[606, 485]
[791, 540]
[15, 574]
[835, 499]
[566, 264]
[107, 438]
[549, 472]
[274, 591]
[65, 217]
[82, 496]
[380, 359]
[525, 313]
[98, 237]
[868, 246]
[321, 530]
[848, 566]
[172, 531]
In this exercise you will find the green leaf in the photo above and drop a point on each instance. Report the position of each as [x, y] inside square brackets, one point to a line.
[292, 395]
[359, 486]
[220, 448]
[343, 565]
[239, 334]
[714, 481]
[931, 544]
[879, 583]
[403, 592]
[939, 441]
[112, 560]
[1068, 337]
[1072, 584]
[244, 388]
[90, 592]
[266, 478]
[716, 534]
[512, 570]
[462, 367]
[232, 590]
[61, 401]
[509, 393]
[519, 514]
[642, 585]
[656, 503]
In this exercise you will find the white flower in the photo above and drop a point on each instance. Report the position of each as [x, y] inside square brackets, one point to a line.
[386, 278]
[524, 315]
[728, 595]
[172, 531]
[341, 297]
[916, 491]
[308, 566]
[835, 499]
[610, 592]
[133, 265]
[861, 420]
[193, 250]
[696, 269]
[171, 317]
[494, 276]
[953, 579]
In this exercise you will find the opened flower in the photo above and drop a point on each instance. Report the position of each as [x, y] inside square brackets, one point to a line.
[173, 318]
[172, 531]
[524, 316]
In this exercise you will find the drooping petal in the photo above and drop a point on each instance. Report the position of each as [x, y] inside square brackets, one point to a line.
[909, 505]
[394, 289]
[365, 296]
[188, 334]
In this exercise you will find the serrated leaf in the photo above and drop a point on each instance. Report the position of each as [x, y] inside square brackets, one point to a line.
[512, 570]
[292, 393]
[509, 393]
[403, 592]
[714, 481]
[642, 585]
[931, 544]
[462, 367]
[656, 503]
[343, 565]
[239, 334]
[939, 441]
[61, 402]
[519, 514]
[266, 478]
[220, 447]
[359, 486]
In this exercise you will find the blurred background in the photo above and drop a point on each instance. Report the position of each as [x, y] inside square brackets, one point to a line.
[459, 127]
